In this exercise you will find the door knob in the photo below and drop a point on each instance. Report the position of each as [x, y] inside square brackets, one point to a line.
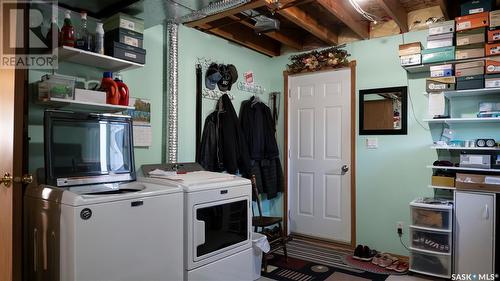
[26, 179]
[345, 169]
[7, 180]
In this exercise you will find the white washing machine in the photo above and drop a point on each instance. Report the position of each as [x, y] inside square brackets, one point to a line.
[88, 219]
[122, 232]
[217, 225]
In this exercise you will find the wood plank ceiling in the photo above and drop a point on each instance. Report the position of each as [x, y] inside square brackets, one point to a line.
[306, 24]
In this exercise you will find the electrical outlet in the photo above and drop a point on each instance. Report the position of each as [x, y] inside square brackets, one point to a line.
[399, 227]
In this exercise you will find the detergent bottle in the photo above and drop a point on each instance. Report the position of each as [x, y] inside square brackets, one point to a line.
[123, 90]
[108, 85]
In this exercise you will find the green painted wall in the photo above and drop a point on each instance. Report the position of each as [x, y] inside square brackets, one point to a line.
[147, 83]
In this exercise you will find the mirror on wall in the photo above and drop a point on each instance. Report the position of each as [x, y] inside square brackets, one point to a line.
[383, 111]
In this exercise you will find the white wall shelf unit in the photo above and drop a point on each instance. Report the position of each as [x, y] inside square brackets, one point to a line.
[75, 105]
[421, 68]
[442, 187]
[471, 93]
[74, 55]
[464, 169]
[464, 120]
[466, 148]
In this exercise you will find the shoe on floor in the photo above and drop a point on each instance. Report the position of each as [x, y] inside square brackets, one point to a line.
[377, 259]
[402, 267]
[358, 252]
[387, 260]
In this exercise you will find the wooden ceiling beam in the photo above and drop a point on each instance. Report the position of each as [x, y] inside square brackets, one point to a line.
[396, 11]
[245, 36]
[444, 8]
[347, 15]
[251, 5]
[310, 24]
[282, 36]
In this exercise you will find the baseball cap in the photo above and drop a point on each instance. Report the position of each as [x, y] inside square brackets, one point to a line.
[225, 82]
[212, 76]
[234, 75]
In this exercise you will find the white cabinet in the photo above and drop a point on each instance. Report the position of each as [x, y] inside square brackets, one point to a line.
[474, 232]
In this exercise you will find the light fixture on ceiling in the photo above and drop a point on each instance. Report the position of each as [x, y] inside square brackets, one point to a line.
[371, 17]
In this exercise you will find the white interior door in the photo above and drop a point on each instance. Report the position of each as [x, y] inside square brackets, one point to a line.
[320, 154]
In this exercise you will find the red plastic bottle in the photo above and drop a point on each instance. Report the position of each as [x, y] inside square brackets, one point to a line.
[112, 93]
[123, 90]
[67, 31]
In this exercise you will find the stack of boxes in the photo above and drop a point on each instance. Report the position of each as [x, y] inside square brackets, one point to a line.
[492, 63]
[477, 41]
[124, 38]
[409, 54]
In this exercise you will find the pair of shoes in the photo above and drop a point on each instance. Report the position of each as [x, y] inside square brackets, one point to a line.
[363, 253]
[398, 266]
[384, 260]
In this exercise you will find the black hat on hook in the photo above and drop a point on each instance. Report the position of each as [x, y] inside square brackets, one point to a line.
[225, 82]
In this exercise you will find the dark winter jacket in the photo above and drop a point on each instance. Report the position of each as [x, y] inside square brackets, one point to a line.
[229, 152]
[258, 127]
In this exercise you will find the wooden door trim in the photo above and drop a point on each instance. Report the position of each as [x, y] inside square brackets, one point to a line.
[352, 66]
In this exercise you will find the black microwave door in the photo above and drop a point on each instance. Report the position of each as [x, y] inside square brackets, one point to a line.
[225, 225]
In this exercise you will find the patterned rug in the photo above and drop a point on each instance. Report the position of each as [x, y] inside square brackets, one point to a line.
[299, 270]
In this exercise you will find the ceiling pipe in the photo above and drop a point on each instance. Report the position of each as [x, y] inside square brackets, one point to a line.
[212, 9]
[172, 94]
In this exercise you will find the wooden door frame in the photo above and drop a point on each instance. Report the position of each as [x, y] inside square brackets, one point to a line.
[19, 161]
[352, 67]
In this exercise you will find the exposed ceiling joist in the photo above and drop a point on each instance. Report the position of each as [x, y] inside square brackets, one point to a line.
[282, 36]
[444, 8]
[249, 6]
[302, 19]
[244, 36]
[396, 11]
[346, 14]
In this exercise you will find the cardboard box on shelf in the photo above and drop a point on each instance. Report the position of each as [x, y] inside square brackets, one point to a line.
[471, 36]
[439, 84]
[493, 35]
[440, 40]
[472, 21]
[492, 49]
[443, 181]
[442, 27]
[476, 6]
[470, 82]
[492, 81]
[410, 49]
[477, 182]
[494, 18]
[411, 60]
[469, 51]
[90, 96]
[469, 68]
[492, 65]
[438, 54]
[443, 70]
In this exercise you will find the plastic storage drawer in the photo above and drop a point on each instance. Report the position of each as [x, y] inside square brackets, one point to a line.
[439, 217]
[431, 240]
[432, 264]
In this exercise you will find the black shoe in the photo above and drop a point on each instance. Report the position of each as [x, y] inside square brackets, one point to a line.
[358, 252]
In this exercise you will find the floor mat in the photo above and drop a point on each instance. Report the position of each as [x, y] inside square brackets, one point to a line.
[300, 270]
[368, 266]
[307, 251]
